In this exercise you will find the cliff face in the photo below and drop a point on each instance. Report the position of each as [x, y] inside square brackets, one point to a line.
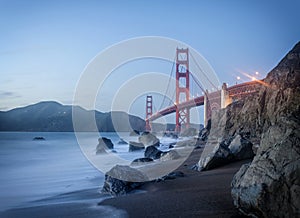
[270, 185]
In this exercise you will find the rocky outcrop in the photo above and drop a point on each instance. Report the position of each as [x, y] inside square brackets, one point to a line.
[135, 146]
[104, 144]
[148, 139]
[266, 123]
[270, 185]
[121, 180]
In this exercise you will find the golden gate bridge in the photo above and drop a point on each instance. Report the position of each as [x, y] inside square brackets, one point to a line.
[213, 100]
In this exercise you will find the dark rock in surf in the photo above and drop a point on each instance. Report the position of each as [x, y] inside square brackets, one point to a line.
[104, 145]
[135, 146]
[121, 180]
[39, 138]
[152, 152]
[142, 160]
[148, 139]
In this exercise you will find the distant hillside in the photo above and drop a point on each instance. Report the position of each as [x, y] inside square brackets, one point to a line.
[53, 117]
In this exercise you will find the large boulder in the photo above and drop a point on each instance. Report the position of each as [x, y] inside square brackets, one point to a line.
[270, 185]
[170, 155]
[135, 146]
[148, 139]
[121, 180]
[218, 156]
[241, 147]
[104, 144]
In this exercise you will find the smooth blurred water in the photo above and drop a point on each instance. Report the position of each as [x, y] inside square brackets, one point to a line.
[32, 170]
[36, 169]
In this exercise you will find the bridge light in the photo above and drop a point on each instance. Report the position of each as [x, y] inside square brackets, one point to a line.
[256, 73]
[238, 78]
[253, 78]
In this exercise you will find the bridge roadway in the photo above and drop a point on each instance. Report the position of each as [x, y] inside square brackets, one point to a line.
[235, 92]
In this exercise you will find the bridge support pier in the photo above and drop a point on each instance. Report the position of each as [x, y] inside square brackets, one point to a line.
[215, 101]
[225, 98]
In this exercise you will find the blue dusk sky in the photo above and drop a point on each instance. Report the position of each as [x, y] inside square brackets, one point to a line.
[45, 45]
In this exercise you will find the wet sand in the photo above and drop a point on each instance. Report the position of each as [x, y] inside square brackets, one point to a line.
[197, 194]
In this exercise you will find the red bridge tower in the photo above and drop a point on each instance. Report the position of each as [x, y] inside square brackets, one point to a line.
[182, 88]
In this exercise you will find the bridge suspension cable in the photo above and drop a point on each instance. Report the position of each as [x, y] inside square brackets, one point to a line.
[168, 86]
[203, 72]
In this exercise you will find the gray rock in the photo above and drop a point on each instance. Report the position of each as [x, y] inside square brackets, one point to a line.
[148, 139]
[170, 176]
[104, 145]
[241, 148]
[217, 155]
[141, 161]
[122, 142]
[135, 146]
[152, 152]
[121, 180]
[270, 185]
[170, 155]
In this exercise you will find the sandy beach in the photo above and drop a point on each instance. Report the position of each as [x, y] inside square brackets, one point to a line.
[197, 194]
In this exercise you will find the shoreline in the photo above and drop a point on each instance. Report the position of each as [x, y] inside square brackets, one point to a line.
[197, 194]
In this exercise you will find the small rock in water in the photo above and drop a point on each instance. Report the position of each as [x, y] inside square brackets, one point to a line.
[104, 144]
[141, 160]
[152, 152]
[122, 142]
[148, 139]
[39, 138]
[134, 133]
[135, 146]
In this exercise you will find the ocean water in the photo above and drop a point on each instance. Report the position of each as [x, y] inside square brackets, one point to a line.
[32, 170]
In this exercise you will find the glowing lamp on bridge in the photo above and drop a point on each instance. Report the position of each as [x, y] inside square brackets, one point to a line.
[253, 78]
